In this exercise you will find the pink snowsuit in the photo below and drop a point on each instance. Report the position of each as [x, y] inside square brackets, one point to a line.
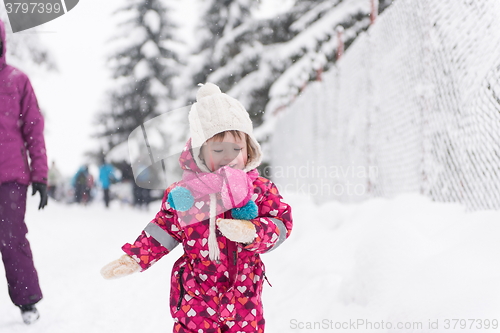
[208, 296]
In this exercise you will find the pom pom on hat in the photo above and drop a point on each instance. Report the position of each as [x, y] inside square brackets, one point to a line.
[180, 198]
[207, 90]
[247, 212]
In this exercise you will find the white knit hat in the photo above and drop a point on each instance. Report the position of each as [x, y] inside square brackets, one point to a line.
[215, 112]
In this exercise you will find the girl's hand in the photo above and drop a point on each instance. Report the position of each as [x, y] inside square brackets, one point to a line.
[124, 266]
[241, 231]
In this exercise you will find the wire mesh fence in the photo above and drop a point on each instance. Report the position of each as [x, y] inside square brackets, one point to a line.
[413, 106]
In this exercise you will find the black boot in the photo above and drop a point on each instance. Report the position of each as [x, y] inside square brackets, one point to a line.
[29, 313]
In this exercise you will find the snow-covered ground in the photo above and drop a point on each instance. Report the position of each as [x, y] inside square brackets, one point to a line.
[402, 261]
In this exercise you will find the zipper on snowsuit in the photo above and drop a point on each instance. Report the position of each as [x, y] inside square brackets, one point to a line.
[182, 290]
[232, 256]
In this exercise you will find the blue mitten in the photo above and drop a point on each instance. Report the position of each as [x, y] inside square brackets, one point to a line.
[180, 198]
[247, 212]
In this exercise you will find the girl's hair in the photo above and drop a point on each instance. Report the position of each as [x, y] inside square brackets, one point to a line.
[237, 134]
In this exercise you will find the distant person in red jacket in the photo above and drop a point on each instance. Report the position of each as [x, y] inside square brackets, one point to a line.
[21, 134]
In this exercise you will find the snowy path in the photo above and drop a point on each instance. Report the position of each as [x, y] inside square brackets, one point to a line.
[397, 261]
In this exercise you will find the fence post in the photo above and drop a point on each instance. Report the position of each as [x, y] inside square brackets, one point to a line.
[319, 72]
[374, 11]
[340, 41]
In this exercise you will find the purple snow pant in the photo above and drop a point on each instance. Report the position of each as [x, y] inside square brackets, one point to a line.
[22, 277]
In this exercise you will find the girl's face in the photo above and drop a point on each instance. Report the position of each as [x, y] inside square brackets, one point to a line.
[230, 151]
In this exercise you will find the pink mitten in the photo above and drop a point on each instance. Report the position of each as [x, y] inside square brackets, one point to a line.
[124, 266]
[241, 231]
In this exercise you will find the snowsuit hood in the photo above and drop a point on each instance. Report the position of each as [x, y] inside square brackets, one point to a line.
[3, 61]
[187, 160]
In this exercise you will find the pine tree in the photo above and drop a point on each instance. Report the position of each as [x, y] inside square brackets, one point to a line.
[143, 71]
[265, 63]
[246, 70]
[220, 19]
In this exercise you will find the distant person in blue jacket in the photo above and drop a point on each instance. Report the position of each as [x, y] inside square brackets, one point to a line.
[82, 182]
[106, 178]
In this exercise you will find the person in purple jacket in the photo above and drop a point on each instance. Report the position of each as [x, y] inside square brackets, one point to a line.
[21, 134]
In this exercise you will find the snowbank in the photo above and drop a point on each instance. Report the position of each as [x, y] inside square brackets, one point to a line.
[382, 262]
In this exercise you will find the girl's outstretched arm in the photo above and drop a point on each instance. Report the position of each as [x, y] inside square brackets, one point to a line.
[157, 239]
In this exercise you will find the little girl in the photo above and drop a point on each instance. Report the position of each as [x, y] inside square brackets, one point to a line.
[224, 214]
